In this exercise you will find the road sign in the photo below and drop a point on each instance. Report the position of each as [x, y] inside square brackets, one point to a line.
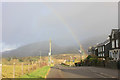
[73, 61]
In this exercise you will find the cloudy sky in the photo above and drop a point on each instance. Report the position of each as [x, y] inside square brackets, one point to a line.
[65, 23]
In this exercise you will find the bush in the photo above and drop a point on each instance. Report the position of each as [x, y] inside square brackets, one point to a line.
[89, 56]
[8, 59]
[91, 60]
[110, 58]
[20, 60]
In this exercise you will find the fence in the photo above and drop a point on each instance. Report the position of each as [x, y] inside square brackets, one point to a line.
[17, 70]
[0, 71]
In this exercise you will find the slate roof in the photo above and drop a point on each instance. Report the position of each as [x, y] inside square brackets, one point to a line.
[104, 43]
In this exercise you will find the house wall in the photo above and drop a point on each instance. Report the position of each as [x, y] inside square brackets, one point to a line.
[107, 48]
[101, 51]
[96, 52]
[115, 54]
[119, 40]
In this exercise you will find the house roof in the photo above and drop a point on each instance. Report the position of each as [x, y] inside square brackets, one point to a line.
[92, 48]
[108, 40]
[104, 43]
[115, 31]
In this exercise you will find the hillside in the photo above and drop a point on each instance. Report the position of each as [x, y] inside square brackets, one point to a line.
[35, 48]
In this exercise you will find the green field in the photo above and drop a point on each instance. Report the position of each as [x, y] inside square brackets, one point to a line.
[39, 73]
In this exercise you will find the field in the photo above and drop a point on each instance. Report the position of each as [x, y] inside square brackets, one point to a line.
[7, 70]
[21, 66]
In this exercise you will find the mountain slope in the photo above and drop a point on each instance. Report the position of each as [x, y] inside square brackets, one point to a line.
[34, 49]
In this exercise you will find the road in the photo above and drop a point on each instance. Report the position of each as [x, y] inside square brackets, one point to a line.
[59, 71]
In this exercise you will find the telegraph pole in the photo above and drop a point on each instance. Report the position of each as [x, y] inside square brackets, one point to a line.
[40, 59]
[13, 69]
[22, 68]
[28, 67]
[70, 60]
[49, 55]
[80, 53]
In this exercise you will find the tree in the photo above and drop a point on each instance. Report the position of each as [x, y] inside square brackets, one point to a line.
[20, 60]
[8, 58]
[89, 56]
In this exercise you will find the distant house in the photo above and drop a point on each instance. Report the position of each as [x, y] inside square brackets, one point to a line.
[93, 50]
[114, 52]
[96, 51]
[109, 48]
[103, 49]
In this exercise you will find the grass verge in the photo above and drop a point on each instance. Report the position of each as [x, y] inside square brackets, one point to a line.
[39, 73]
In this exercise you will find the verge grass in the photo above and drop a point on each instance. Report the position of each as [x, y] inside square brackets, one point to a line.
[39, 73]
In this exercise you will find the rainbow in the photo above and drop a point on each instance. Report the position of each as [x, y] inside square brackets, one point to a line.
[68, 27]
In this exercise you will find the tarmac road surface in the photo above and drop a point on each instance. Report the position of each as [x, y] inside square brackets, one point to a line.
[59, 71]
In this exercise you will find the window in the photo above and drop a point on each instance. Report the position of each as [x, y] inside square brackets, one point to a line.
[113, 44]
[119, 53]
[110, 54]
[117, 43]
[103, 54]
[98, 54]
[103, 48]
[113, 35]
[98, 49]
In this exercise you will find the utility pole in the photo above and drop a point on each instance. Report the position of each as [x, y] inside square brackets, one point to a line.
[0, 66]
[40, 60]
[28, 68]
[14, 69]
[1, 71]
[70, 60]
[32, 65]
[80, 53]
[49, 56]
[22, 68]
